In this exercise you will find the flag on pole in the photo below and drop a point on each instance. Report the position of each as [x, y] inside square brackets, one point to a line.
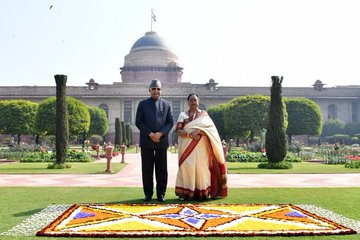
[153, 15]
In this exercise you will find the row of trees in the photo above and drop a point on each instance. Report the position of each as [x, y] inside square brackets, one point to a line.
[332, 127]
[245, 116]
[123, 133]
[17, 117]
[22, 117]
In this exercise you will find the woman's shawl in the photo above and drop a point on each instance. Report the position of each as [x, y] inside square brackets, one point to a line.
[217, 162]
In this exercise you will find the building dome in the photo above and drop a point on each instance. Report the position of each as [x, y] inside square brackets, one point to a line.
[150, 40]
[151, 50]
[150, 57]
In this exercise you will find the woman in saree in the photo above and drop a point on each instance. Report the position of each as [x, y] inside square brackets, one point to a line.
[202, 167]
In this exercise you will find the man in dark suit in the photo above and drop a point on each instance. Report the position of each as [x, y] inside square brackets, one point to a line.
[154, 119]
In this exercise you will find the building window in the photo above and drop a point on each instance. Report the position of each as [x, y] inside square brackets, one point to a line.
[176, 109]
[105, 108]
[127, 111]
[354, 113]
[332, 113]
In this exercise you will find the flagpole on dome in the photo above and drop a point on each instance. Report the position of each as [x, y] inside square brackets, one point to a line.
[153, 18]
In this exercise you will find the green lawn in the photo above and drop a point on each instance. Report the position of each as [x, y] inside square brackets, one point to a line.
[237, 167]
[19, 203]
[80, 168]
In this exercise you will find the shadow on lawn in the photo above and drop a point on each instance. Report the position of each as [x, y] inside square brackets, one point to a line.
[27, 213]
[242, 168]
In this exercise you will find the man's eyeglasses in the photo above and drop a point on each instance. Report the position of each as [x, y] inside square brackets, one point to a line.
[153, 89]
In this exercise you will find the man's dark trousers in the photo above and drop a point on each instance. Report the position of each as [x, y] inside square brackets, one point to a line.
[150, 156]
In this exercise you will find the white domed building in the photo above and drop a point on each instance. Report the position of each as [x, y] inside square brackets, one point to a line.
[150, 57]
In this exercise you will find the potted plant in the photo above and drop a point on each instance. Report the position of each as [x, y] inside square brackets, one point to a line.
[95, 141]
[116, 152]
[95, 144]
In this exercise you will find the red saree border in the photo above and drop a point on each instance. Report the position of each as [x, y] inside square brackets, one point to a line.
[188, 150]
[218, 175]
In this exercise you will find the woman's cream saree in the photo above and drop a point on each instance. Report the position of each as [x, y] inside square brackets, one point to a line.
[202, 169]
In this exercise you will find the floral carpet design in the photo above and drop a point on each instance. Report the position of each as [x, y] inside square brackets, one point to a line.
[136, 220]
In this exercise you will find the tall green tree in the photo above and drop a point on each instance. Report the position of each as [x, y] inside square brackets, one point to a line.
[118, 132]
[304, 117]
[245, 116]
[123, 132]
[99, 124]
[217, 115]
[78, 115]
[352, 128]
[3, 104]
[62, 121]
[276, 144]
[128, 134]
[17, 117]
[332, 127]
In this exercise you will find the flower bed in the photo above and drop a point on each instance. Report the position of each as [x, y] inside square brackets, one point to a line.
[72, 156]
[353, 161]
[246, 156]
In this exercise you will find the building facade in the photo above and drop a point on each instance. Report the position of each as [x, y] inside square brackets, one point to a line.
[150, 57]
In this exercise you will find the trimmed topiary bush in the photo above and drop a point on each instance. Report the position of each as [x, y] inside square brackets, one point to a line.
[277, 165]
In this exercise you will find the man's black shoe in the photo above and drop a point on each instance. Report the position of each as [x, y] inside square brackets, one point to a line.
[161, 198]
[147, 198]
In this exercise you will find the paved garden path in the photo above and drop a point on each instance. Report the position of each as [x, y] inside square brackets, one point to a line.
[130, 176]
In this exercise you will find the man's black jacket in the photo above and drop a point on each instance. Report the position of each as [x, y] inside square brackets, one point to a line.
[154, 116]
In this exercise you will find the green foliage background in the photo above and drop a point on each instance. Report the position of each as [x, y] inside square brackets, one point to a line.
[79, 117]
[99, 124]
[17, 117]
[246, 114]
[304, 117]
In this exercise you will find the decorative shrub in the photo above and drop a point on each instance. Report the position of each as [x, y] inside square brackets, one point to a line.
[58, 166]
[291, 157]
[342, 138]
[355, 139]
[95, 139]
[72, 156]
[78, 156]
[245, 156]
[353, 161]
[332, 127]
[352, 164]
[31, 157]
[277, 165]
[10, 155]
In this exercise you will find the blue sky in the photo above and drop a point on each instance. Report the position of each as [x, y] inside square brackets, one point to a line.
[234, 42]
